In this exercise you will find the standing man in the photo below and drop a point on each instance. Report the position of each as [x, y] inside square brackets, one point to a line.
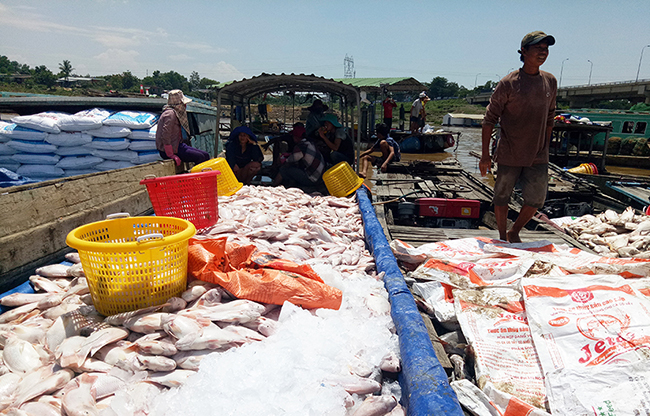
[523, 103]
[389, 104]
[417, 110]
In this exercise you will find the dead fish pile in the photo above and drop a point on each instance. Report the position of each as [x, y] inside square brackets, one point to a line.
[60, 356]
[611, 234]
[295, 226]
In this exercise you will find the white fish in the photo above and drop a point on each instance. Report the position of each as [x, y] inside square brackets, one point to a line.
[107, 384]
[174, 378]
[44, 284]
[46, 385]
[54, 299]
[376, 406]
[193, 293]
[180, 326]
[76, 270]
[390, 363]
[173, 304]
[190, 360]
[155, 347]
[73, 257]
[53, 270]
[211, 297]
[147, 323]
[263, 325]
[8, 384]
[20, 299]
[40, 409]
[120, 355]
[238, 311]
[156, 363]
[210, 337]
[246, 333]
[81, 400]
[354, 384]
[119, 318]
[92, 344]
[23, 357]
[16, 313]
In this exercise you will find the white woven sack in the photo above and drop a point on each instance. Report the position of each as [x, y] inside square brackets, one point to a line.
[146, 157]
[113, 164]
[78, 162]
[109, 144]
[10, 131]
[40, 171]
[141, 145]
[12, 166]
[85, 120]
[131, 119]
[36, 159]
[122, 155]
[6, 150]
[148, 134]
[69, 139]
[73, 151]
[110, 132]
[47, 121]
[31, 147]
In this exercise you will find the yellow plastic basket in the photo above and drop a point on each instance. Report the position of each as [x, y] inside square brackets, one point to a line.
[227, 183]
[133, 262]
[341, 180]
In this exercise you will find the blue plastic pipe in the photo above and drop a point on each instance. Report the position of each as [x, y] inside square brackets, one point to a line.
[425, 388]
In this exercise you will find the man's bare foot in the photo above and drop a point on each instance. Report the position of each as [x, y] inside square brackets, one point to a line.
[362, 175]
[502, 237]
[513, 237]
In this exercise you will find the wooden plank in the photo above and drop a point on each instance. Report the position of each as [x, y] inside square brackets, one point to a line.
[437, 345]
[45, 227]
[26, 206]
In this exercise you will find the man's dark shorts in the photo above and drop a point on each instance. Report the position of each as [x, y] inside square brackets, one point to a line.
[415, 119]
[532, 179]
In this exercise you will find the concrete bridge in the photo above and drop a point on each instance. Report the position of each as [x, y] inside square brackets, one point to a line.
[584, 96]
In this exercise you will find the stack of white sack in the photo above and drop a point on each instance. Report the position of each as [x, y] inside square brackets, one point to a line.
[51, 145]
[111, 142]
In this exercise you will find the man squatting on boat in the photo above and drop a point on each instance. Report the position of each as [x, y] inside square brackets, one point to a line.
[523, 103]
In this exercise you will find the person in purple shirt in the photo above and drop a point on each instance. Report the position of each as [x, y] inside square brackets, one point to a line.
[173, 127]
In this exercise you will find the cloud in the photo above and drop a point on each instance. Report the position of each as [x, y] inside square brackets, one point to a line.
[180, 57]
[117, 60]
[224, 72]
[200, 47]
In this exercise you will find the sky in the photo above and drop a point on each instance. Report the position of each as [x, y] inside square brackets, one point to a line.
[467, 42]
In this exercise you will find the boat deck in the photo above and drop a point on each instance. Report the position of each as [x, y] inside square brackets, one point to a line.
[448, 180]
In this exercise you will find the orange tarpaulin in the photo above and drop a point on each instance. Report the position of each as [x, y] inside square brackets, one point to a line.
[257, 276]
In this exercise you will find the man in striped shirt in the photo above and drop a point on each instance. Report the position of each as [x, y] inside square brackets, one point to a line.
[304, 167]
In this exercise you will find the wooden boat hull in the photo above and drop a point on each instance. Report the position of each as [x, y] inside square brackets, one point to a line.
[35, 219]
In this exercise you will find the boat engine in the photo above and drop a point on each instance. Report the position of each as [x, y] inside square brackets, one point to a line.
[440, 213]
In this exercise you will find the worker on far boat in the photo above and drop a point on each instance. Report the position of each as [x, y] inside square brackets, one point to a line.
[390, 151]
[174, 129]
[304, 167]
[418, 114]
[523, 103]
[316, 112]
[389, 104]
[333, 142]
[243, 154]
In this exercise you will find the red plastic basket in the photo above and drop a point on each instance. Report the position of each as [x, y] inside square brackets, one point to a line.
[190, 196]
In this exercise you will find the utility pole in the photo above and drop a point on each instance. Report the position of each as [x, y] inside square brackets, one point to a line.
[348, 67]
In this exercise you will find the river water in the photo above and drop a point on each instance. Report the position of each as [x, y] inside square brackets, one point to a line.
[470, 140]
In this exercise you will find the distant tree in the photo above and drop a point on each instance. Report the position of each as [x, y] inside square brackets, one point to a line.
[43, 76]
[65, 69]
[439, 87]
[195, 81]
[167, 81]
[205, 82]
[130, 81]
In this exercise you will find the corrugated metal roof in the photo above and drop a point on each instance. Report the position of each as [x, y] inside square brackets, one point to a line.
[237, 91]
[392, 84]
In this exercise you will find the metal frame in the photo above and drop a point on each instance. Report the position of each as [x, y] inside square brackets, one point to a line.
[241, 92]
